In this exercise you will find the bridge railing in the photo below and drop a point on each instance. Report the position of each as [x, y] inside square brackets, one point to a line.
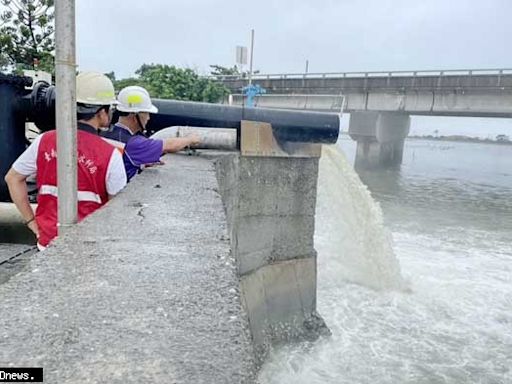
[435, 73]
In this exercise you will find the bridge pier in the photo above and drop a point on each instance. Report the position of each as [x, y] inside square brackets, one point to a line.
[380, 138]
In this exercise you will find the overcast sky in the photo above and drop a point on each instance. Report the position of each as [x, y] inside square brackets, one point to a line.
[334, 35]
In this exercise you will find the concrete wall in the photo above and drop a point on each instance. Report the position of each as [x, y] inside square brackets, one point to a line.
[270, 206]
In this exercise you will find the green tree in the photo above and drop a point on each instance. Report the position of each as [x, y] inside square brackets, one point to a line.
[170, 82]
[111, 75]
[219, 71]
[27, 34]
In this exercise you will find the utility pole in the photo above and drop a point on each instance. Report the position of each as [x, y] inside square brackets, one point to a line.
[252, 56]
[65, 112]
[307, 66]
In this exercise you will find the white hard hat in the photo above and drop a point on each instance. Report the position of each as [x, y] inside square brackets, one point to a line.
[94, 88]
[135, 99]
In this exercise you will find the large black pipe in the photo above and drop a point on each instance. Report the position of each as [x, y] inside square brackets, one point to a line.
[12, 124]
[295, 126]
[288, 126]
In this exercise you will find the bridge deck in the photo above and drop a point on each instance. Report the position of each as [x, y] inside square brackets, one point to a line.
[437, 94]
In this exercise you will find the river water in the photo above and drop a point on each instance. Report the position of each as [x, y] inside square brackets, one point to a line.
[449, 213]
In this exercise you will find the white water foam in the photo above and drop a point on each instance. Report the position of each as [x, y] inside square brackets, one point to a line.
[349, 229]
[454, 327]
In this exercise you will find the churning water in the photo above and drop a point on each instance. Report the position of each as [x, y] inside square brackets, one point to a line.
[349, 231]
[449, 211]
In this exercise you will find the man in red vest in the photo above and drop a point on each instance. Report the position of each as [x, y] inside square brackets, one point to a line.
[101, 173]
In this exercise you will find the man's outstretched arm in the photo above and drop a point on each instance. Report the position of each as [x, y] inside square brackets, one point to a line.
[17, 184]
[178, 143]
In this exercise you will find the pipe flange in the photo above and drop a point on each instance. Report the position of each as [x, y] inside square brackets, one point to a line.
[41, 96]
[42, 100]
[17, 81]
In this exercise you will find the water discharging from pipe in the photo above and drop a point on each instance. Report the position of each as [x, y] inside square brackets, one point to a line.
[349, 230]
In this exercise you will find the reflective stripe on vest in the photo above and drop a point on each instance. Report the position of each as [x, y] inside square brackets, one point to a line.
[81, 195]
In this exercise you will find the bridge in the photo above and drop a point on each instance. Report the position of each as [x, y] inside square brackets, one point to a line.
[380, 103]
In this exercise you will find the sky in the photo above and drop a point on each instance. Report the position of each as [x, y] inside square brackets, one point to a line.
[333, 35]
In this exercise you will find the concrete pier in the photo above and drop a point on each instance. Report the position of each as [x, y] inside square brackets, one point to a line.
[270, 204]
[380, 138]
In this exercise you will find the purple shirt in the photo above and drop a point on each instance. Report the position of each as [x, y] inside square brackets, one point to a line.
[140, 150]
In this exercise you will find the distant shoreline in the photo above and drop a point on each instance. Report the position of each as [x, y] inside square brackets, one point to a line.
[461, 139]
[454, 138]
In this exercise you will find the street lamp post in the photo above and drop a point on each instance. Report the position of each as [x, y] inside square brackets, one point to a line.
[65, 112]
[252, 56]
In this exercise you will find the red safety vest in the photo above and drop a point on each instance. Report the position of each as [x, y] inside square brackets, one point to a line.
[93, 158]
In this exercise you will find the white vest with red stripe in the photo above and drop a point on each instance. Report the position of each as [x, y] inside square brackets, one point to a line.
[93, 159]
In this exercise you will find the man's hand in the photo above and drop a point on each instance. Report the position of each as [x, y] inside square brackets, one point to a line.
[34, 228]
[17, 184]
[175, 144]
[149, 165]
[194, 139]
